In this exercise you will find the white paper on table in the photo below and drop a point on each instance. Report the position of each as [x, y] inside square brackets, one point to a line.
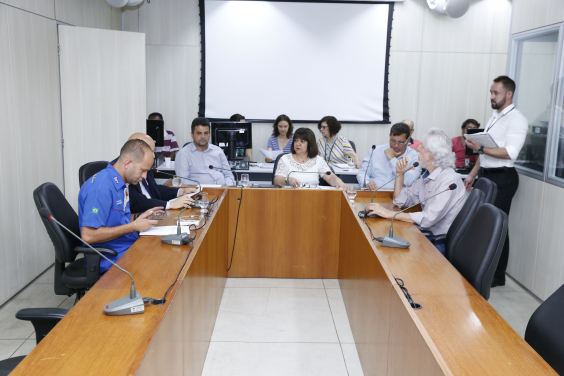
[342, 165]
[482, 138]
[211, 185]
[272, 154]
[324, 187]
[164, 230]
[266, 165]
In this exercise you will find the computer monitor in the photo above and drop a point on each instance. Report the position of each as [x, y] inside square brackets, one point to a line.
[233, 137]
[155, 130]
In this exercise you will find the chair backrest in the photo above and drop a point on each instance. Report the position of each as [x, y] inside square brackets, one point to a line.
[353, 145]
[477, 253]
[545, 331]
[488, 187]
[458, 226]
[86, 171]
[186, 144]
[276, 165]
[49, 196]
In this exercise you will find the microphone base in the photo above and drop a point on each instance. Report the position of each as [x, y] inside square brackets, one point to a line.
[395, 242]
[125, 306]
[177, 240]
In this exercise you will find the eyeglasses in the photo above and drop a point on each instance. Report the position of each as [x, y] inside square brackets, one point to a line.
[393, 142]
[323, 127]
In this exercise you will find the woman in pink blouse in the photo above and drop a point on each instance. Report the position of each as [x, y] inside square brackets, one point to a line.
[459, 144]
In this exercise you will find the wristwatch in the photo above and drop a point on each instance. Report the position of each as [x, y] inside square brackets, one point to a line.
[480, 150]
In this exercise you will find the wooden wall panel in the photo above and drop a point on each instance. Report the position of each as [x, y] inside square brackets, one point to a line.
[103, 96]
[33, 140]
[294, 234]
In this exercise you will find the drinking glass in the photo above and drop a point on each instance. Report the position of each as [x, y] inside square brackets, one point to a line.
[351, 191]
[350, 162]
[176, 181]
[204, 202]
[245, 180]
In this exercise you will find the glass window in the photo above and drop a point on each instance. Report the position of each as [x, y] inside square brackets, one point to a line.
[556, 162]
[535, 63]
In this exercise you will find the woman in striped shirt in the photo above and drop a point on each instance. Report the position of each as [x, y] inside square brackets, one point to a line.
[282, 135]
[332, 147]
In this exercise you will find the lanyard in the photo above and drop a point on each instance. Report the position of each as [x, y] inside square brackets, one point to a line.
[498, 119]
[327, 157]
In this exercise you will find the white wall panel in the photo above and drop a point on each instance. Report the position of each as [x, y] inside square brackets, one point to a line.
[498, 63]
[86, 13]
[502, 25]
[407, 25]
[131, 18]
[173, 87]
[526, 213]
[42, 7]
[103, 96]
[171, 22]
[35, 117]
[529, 14]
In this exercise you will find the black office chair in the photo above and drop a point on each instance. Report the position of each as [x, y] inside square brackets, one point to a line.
[43, 320]
[353, 145]
[488, 187]
[477, 253]
[75, 277]
[276, 165]
[545, 331]
[186, 144]
[86, 171]
[460, 223]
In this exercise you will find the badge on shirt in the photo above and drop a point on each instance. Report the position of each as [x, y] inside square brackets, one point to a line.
[95, 210]
[126, 198]
[115, 178]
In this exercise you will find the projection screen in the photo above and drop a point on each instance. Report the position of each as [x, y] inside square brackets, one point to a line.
[303, 59]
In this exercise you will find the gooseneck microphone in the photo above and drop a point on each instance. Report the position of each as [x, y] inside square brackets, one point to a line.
[368, 166]
[397, 176]
[304, 172]
[128, 305]
[180, 238]
[393, 241]
[198, 196]
[224, 169]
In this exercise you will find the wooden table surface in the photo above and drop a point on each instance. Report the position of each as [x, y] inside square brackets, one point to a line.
[455, 333]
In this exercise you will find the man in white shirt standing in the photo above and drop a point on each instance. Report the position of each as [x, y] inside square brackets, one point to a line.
[508, 128]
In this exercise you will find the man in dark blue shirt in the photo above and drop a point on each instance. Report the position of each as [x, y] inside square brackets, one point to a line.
[104, 215]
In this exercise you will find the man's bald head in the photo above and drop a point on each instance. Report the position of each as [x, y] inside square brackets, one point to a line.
[409, 123]
[144, 137]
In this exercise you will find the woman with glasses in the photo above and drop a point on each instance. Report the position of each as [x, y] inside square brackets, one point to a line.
[332, 147]
[303, 167]
[379, 165]
[282, 135]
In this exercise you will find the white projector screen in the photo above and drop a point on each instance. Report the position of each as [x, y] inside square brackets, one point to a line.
[306, 60]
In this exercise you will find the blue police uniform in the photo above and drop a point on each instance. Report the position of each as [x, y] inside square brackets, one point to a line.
[103, 201]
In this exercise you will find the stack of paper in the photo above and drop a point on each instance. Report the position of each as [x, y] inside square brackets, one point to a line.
[272, 154]
[482, 138]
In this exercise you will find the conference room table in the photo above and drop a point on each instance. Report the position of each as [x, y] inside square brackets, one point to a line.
[287, 233]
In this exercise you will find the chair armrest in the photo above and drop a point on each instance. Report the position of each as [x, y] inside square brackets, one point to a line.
[93, 262]
[426, 232]
[88, 250]
[438, 238]
[41, 314]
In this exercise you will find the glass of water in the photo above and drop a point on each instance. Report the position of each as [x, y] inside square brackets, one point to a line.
[176, 181]
[351, 191]
[245, 180]
[203, 202]
[350, 162]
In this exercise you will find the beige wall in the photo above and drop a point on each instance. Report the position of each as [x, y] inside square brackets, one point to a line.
[29, 103]
[440, 68]
[535, 223]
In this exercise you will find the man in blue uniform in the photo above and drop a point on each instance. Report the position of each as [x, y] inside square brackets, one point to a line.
[104, 216]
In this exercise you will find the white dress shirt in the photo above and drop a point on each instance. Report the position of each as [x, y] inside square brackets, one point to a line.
[383, 169]
[508, 129]
[148, 195]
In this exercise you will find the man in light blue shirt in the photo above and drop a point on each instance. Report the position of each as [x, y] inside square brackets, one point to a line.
[384, 158]
[195, 159]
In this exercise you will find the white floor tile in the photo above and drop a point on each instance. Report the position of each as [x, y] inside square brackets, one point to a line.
[68, 303]
[289, 300]
[250, 301]
[275, 282]
[510, 286]
[8, 347]
[274, 359]
[48, 277]
[352, 360]
[26, 347]
[331, 284]
[340, 317]
[515, 307]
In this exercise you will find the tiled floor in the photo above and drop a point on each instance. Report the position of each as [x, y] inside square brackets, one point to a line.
[264, 326]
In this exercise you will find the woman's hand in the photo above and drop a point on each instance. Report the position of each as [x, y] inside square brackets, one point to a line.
[339, 184]
[294, 182]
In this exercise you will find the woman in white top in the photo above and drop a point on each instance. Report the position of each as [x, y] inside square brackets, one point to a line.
[303, 165]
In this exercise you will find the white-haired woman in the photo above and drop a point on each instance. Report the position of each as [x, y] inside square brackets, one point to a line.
[438, 213]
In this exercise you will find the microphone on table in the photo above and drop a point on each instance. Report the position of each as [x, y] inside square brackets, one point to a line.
[304, 172]
[179, 238]
[128, 305]
[198, 196]
[367, 167]
[393, 241]
[366, 213]
[224, 169]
